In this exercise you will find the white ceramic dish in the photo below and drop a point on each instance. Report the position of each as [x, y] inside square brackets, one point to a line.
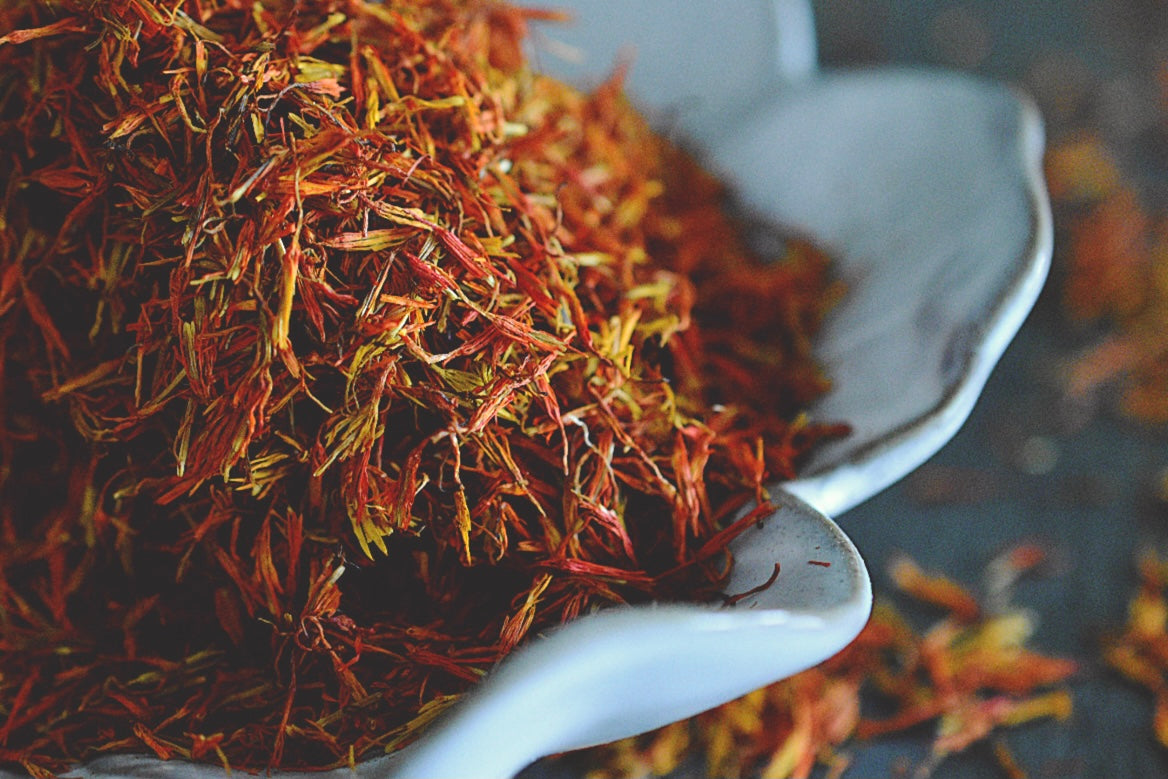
[927, 189]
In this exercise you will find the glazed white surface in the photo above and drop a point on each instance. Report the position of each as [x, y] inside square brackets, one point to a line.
[927, 189]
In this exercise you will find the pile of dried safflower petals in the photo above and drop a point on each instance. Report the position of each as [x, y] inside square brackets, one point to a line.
[340, 352]
[1140, 650]
[970, 673]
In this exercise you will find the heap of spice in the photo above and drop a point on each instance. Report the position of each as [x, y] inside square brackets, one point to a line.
[339, 353]
[970, 674]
